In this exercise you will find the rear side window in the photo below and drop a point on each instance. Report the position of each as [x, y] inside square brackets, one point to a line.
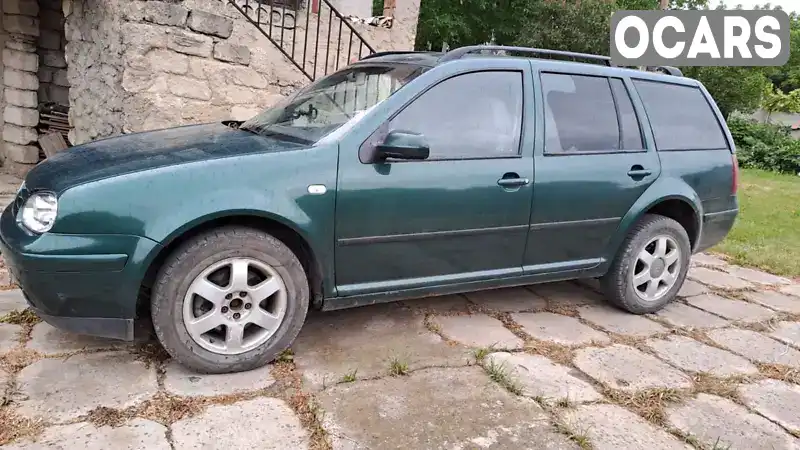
[588, 114]
[680, 116]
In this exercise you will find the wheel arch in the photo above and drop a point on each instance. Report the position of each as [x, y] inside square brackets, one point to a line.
[677, 201]
[279, 227]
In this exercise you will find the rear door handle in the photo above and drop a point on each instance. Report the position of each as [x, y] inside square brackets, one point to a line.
[639, 172]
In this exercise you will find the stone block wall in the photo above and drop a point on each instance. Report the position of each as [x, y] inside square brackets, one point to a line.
[53, 83]
[141, 65]
[21, 83]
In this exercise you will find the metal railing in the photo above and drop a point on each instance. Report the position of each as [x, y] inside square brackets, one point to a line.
[326, 40]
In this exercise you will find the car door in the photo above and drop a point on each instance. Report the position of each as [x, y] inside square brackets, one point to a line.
[591, 163]
[459, 215]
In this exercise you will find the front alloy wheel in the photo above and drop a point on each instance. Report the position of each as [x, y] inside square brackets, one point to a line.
[234, 306]
[229, 300]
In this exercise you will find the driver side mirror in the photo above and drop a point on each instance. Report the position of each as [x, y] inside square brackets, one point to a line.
[404, 145]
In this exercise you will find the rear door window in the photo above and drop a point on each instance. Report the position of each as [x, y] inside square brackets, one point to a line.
[680, 116]
[588, 114]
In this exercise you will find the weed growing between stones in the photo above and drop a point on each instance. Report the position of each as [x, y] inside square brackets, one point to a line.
[150, 353]
[398, 367]
[23, 317]
[649, 403]
[350, 377]
[578, 437]
[14, 426]
[559, 354]
[780, 372]
[303, 404]
[721, 387]
[499, 373]
[285, 356]
[16, 359]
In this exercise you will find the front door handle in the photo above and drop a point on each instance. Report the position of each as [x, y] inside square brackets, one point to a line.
[511, 180]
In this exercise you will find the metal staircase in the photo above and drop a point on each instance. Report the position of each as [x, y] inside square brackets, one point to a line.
[316, 38]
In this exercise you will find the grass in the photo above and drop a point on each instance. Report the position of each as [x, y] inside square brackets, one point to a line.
[21, 317]
[398, 367]
[766, 234]
[500, 374]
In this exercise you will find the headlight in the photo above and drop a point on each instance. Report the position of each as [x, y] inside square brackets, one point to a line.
[39, 212]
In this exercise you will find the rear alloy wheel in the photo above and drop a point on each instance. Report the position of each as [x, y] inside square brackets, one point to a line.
[651, 266]
[229, 300]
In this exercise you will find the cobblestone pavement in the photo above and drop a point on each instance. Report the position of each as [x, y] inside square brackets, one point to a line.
[542, 367]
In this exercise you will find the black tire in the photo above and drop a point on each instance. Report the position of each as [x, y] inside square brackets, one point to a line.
[617, 283]
[197, 254]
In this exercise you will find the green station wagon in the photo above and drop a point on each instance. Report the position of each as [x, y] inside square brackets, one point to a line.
[405, 174]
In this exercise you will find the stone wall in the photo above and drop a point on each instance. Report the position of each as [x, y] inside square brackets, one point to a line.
[53, 83]
[20, 82]
[144, 65]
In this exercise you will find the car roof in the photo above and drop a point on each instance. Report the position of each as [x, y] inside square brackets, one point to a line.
[432, 59]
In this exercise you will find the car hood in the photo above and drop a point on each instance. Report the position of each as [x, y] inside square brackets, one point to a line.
[148, 150]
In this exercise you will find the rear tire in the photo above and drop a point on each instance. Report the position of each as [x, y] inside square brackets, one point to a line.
[650, 267]
[254, 300]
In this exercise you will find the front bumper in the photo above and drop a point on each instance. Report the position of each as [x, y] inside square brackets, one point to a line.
[86, 284]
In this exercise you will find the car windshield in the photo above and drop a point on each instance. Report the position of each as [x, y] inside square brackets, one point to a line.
[333, 103]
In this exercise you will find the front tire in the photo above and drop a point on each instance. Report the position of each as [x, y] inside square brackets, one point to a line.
[650, 267]
[229, 300]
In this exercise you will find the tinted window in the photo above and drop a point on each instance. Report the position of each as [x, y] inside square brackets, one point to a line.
[468, 116]
[580, 114]
[680, 116]
[629, 124]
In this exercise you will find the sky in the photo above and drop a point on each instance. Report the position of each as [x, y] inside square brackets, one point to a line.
[787, 5]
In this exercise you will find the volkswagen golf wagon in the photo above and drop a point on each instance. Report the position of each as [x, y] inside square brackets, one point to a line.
[405, 174]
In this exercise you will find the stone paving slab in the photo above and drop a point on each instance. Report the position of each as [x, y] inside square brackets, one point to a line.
[11, 300]
[137, 434]
[792, 289]
[50, 340]
[628, 369]
[365, 340]
[444, 304]
[515, 299]
[621, 322]
[541, 377]
[717, 421]
[263, 423]
[478, 330]
[775, 300]
[717, 279]
[730, 309]
[756, 346]
[708, 260]
[788, 333]
[566, 293]
[691, 288]
[458, 408]
[611, 427]
[8, 336]
[693, 356]
[681, 315]
[65, 388]
[559, 329]
[179, 380]
[756, 276]
[775, 400]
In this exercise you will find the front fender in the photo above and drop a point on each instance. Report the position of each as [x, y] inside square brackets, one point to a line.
[664, 188]
[164, 203]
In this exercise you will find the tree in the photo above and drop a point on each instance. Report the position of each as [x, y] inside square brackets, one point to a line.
[733, 88]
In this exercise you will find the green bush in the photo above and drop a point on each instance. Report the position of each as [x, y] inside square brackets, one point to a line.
[765, 146]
